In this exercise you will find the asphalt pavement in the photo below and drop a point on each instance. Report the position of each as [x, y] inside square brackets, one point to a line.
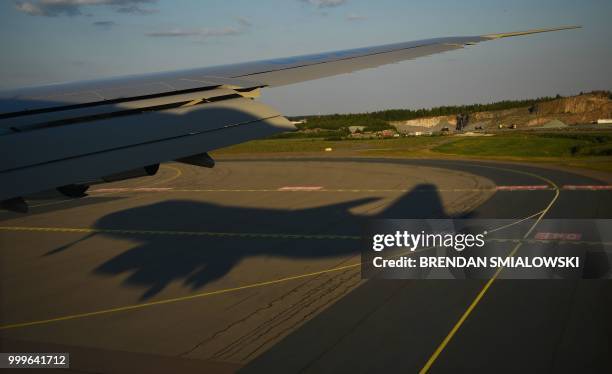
[254, 266]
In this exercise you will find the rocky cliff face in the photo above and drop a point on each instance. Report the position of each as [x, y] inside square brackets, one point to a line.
[428, 122]
[596, 103]
[573, 110]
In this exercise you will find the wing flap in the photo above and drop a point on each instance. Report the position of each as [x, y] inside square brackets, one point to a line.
[85, 114]
[112, 91]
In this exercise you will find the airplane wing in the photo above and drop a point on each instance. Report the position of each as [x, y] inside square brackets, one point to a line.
[74, 134]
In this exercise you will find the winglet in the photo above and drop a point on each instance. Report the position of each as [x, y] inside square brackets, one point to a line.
[534, 31]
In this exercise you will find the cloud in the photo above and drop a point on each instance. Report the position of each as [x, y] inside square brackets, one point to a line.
[202, 33]
[135, 9]
[172, 33]
[54, 8]
[244, 22]
[325, 3]
[355, 17]
[29, 8]
[104, 24]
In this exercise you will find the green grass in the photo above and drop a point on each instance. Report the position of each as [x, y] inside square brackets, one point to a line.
[516, 146]
[581, 150]
[595, 150]
[301, 145]
[319, 134]
[531, 145]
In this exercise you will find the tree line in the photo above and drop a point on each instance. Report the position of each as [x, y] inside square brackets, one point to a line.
[378, 120]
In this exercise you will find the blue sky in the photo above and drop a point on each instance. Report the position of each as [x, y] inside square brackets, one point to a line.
[48, 41]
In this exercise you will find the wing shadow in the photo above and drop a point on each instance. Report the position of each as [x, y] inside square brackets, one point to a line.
[197, 260]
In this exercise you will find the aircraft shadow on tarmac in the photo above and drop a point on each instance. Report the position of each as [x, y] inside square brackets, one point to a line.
[197, 260]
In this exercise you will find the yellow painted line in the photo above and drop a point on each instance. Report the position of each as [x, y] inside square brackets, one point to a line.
[176, 299]
[167, 301]
[464, 316]
[300, 188]
[176, 233]
[195, 296]
[178, 173]
[52, 203]
[514, 223]
[487, 285]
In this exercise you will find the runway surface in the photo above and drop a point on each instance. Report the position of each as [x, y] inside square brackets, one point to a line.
[254, 266]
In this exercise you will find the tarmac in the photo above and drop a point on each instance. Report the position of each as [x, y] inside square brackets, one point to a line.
[254, 266]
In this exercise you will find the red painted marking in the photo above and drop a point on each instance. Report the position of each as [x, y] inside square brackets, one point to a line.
[587, 187]
[523, 188]
[558, 236]
[301, 188]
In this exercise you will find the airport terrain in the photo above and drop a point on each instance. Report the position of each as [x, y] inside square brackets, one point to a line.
[255, 266]
[550, 131]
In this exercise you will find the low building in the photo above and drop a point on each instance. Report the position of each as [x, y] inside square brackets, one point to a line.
[356, 129]
[420, 133]
[386, 133]
[604, 121]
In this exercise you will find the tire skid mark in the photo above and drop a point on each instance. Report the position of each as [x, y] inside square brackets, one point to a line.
[282, 317]
[304, 318]
[256, 311]
[315, 295]
[298, 304]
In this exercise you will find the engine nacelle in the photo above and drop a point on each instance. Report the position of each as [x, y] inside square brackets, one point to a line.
[135, 173]
[73, 190]
[201, 159]
[79, 189]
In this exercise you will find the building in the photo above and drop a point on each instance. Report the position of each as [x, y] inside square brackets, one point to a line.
[386, 133]
[355, 129]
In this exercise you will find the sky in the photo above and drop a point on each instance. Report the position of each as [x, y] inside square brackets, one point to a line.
[52, 41]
